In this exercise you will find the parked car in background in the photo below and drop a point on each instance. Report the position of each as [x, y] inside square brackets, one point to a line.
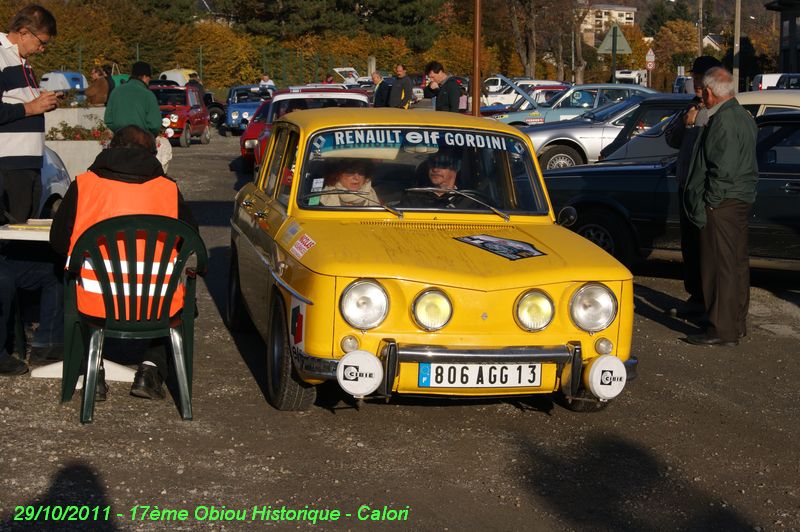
[631, 209]
[788, 81]
[683, 85]
[508, 95]
[581, 98]
[653, 110]
[186, 112]
[178, 75]
[579, 141]
[525, 111]
[63, 80]
[254, 140]
[762, 82]
[216, 109]
[241, 105]
[55, 182]
[472, 291]
[651, 145]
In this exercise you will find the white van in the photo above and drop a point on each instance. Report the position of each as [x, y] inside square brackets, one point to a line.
[765, 81]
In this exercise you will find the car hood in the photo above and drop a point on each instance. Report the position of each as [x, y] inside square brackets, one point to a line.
[603, 168]
[428, 252]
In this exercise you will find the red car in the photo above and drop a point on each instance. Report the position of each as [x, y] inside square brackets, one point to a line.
[187, 113]
[255, 137]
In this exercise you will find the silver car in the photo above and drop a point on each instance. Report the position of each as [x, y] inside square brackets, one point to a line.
[579, 141]
[55, 182]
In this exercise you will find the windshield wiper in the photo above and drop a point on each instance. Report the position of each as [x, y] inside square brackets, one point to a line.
[355, 193]
[473, 195]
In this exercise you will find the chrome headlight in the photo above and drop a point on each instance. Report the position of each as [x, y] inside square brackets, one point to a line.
[234, 114]
[245, 115]
[173, 118]
[364, 304]
[534, 310]
[250, 144]
[432, 310]
[593, 307]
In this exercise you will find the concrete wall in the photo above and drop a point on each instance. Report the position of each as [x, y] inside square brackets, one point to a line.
[77, 155]
[74, 116]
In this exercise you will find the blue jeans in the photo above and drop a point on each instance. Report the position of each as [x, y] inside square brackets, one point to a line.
[35, 275]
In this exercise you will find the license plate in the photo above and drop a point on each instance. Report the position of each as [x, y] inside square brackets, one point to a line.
[479, 375]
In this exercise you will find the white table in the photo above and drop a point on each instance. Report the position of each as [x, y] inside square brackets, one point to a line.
[34, 230]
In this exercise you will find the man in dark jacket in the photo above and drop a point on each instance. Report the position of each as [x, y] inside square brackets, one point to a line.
[444, 87]
[682, 134]
[380, 96]
[402, 89]
[124, 175]
[720, 191]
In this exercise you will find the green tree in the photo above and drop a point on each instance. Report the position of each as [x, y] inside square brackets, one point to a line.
[659, 15]
[681, 11]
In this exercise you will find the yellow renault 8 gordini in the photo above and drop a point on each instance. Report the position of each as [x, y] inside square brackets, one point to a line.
[416, 253]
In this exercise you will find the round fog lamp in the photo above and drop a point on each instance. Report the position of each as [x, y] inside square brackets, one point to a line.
[603, 346]
[173, 118]
[349, 343]
[245, 115]
[432, 310]
[534, 311]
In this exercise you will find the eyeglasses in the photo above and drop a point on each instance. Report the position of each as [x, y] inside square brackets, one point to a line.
[443, 163]
[42, 43]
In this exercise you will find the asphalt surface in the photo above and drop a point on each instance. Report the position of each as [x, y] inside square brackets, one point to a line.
[705, 438]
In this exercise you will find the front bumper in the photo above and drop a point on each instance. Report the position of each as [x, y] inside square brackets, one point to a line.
[568, 359]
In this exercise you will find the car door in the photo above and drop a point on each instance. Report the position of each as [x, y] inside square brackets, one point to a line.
[195, 111]
[775, 218]
[259, 222]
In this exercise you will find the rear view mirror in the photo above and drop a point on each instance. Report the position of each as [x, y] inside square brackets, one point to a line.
[567, 216]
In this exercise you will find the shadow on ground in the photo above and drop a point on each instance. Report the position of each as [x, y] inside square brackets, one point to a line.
[76, 484]
[604, 482]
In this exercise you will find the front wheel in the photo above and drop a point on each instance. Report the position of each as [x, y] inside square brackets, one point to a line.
[186, 137]
[559, 157]
[216, 116]
[205, 136]
[606, 230]
[285, 390]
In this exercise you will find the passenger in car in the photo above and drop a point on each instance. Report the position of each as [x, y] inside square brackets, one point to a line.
[350, 176]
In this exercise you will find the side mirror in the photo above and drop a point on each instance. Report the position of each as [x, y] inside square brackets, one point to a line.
[567, 216]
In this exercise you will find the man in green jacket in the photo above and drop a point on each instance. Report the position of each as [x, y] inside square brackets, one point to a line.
[133, 103]
[720, 191]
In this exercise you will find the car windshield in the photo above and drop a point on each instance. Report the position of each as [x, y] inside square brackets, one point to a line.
[553, 99]
[420, 169]
[170, 96]
[610, 110]
[255, 94]
[282, 107]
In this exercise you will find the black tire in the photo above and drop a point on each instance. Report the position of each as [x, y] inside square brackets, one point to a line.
[285, 390]
[584, 402]
[608, 231]
[236, 316]
[186, 137]
[205, 136]
[559, 157]
[216, 116]
[223, 132]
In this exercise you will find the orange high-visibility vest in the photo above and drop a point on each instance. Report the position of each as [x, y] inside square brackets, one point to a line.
[100, 199]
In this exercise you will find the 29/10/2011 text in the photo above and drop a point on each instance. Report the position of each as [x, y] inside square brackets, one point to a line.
[152, 513]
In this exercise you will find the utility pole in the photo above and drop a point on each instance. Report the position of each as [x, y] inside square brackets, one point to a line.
[476, 81]
[737, 35]
[700, 27]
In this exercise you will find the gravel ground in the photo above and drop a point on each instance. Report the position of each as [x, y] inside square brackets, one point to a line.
[704, 439]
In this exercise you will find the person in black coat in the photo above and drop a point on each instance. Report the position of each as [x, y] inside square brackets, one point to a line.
[380, 96]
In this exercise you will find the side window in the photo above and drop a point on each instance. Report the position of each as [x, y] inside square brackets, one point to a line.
[193, 98]
[582, 99]
[773, 109]
[614, 95]
[778, 149]
[286, 171]
[752, 109]
[270, 174]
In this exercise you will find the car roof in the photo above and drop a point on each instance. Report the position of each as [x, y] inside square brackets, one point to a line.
[778, 97]
[315, 119]
[245, 86]
[778, 118]
[659, 98]
[300, 91]
[612, 86]
[174, 87]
